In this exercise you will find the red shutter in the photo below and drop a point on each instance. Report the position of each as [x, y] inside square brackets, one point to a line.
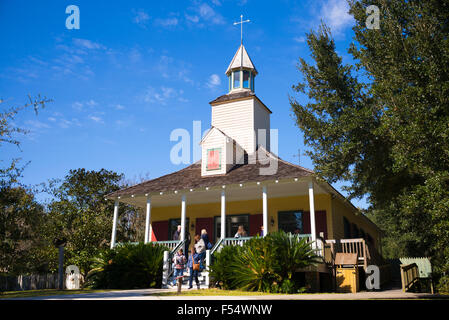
[255, 222]
[205, 223]
[320, 222]
[160, 229]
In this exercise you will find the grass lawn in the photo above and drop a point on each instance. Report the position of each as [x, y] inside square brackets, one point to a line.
[215, 292]
[45, 292]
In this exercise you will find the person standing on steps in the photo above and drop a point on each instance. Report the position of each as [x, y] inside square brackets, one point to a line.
[193, 264]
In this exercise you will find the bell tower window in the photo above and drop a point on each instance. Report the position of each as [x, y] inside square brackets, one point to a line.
[246, 76]
[236, 79]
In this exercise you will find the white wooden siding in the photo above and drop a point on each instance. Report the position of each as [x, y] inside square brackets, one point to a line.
[236, 120]
[262, 121]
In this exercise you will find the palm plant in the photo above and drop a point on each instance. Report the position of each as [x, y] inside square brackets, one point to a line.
[128, 266]
[269, 264]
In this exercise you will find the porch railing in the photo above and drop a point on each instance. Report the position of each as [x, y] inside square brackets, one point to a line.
[235, 241]
[350, 246]
[171, 244]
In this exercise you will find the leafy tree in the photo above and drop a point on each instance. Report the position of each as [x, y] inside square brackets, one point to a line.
[20, 221]
[82, 215]
[382, 122]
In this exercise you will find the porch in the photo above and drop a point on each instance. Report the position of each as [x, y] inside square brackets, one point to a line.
[326, 249]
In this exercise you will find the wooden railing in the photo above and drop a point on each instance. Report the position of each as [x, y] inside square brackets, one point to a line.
[171, 244]
[350, 246]
[409, 276]
[235, 241]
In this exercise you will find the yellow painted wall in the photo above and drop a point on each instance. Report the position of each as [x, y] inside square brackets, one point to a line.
[335, 210]
[340, 210]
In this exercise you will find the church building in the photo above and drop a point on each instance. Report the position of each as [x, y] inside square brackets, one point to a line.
[239, 181]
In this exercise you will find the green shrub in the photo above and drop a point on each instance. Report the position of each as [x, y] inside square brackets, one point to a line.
[128, 266]
[220, 274]
[264, 264]
[443, 285]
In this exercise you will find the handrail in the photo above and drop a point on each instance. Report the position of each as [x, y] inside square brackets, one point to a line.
[409, 275]
[171, 253]
[216, 246]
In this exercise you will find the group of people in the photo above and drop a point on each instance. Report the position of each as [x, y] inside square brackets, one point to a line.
[195, 261]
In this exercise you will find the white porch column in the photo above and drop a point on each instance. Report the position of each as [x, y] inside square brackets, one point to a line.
[312, 212]
[148, 220]
[223, 215]
[183, 217]
[114, 224]
[265, 210]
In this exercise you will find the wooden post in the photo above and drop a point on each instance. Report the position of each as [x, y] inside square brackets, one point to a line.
[148, 221]
[179, 284]
[223, 215]
[114, 223]
[183, 217]
[61, 267]
[312, 213]
[265, 210]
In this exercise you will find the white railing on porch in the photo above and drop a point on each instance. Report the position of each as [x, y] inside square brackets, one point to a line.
[235, 241]
[171, 244]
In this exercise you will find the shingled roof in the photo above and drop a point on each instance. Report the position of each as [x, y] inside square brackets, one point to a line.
[190, 177]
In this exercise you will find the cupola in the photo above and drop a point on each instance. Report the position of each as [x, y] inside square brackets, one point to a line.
[241, 71]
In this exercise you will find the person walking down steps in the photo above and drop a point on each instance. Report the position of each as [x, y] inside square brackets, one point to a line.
[194, 267]
[180, 261]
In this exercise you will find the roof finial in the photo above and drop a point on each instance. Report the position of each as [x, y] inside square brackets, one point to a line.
[241, 27]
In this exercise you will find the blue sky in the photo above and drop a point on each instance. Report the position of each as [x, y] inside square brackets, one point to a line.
[136, 70]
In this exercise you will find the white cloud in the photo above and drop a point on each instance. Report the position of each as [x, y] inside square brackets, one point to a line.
[36, 124]
[119, 107]
[299, 39]
[214, 81]
[209, 14]
[141, 18]
[96, 119]
[77, 105]
[162, 96]
[91, 103]
[169, 22]
[193, 18]
[87, 44]
[335, 14]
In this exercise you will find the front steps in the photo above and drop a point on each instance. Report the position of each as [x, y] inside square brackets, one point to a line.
[185, 283]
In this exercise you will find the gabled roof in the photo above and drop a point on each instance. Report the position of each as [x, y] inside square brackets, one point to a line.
[209, 132]
[241, 60]
[190, 177]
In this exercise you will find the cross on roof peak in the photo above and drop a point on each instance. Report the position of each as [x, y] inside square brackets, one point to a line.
[241, 27]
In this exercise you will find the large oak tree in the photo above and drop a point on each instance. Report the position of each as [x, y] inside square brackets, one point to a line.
[381, 123]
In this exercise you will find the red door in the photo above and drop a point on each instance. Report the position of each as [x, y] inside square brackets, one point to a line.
[255, 222]
[160, 230]
[205, 223]
[320, 222]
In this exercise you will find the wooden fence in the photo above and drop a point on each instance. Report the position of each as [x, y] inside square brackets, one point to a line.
[29, 282]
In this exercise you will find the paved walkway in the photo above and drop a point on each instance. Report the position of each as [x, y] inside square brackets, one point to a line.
[148, 294]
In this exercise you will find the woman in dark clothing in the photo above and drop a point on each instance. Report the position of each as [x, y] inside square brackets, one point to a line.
[193, 259]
